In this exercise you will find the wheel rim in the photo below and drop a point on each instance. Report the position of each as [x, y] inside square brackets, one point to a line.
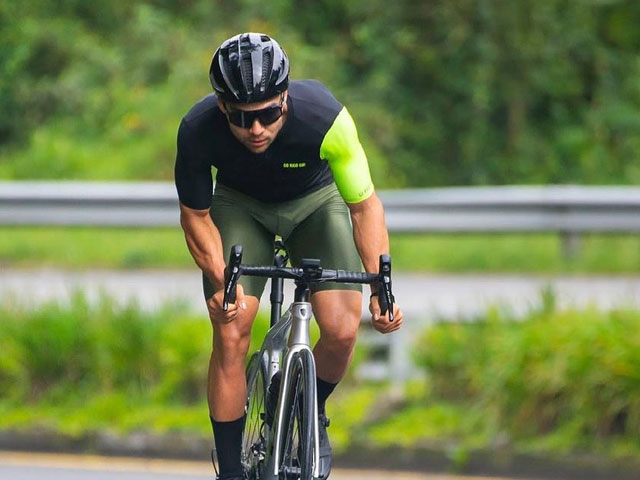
[253, 439]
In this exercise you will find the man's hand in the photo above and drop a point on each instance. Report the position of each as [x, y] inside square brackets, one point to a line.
[381, 322]
[214, 304]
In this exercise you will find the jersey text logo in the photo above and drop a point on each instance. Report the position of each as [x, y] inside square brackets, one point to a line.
[294, 165]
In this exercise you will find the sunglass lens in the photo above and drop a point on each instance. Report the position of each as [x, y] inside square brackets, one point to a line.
[238, 118]
[269, 115]
[265, 116]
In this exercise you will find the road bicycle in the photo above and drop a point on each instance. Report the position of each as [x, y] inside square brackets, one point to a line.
[283, 444]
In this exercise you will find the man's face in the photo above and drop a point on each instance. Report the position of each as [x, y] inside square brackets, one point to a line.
[256, 137]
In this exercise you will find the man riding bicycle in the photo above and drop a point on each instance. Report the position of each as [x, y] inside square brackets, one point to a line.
[289, 163]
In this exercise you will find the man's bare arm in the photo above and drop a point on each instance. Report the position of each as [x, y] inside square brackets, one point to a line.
[204, 243]
[369, 231]
[372, 240]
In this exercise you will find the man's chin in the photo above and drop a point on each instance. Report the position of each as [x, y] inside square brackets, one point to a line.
[257, 148]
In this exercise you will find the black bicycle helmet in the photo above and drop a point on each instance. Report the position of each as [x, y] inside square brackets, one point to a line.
[248, 68]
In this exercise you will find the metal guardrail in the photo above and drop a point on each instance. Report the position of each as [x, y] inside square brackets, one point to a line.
[149, 204]
[567, 210]
[562, 209]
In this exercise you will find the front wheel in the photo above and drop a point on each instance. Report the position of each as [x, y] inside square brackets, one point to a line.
[253, 439]
[298, 427]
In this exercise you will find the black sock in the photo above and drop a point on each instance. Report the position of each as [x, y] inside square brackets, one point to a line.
[324, 390]
[228, 438]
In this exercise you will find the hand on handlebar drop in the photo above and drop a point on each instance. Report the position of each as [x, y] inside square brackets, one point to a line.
[381, 322]
[214, 305]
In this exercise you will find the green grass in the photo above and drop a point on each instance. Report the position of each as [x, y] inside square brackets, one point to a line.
[116, 412]
[78, 248]
[514, 253]
[125, 412]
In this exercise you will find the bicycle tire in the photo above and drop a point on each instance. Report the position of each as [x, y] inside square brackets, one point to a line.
[298, 427]
[254, 436]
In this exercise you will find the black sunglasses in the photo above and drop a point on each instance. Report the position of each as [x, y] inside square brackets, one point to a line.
[244, 119]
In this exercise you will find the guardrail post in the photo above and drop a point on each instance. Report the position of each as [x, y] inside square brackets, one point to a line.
[571, 245]
[400, 364]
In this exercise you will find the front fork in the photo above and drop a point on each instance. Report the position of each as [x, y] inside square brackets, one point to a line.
[299, 344]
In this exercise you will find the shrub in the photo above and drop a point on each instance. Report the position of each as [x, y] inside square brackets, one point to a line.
[575, 371]
[92, 348]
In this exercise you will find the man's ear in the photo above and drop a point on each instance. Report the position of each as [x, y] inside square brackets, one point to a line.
[222, 107]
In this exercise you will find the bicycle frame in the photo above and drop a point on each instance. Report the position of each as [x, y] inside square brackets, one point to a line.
[294, 326]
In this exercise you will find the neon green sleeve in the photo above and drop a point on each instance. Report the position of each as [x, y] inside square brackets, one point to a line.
[347, 160]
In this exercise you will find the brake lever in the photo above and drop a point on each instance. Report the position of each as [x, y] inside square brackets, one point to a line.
[232, 274]
[385, 296]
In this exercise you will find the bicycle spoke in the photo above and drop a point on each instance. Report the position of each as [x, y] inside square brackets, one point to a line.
[253, 443]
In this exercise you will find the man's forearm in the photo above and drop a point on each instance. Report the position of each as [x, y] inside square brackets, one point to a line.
[205, 245]
[369, 231]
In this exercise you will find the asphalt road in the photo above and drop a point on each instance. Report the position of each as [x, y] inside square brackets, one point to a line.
[28, 466]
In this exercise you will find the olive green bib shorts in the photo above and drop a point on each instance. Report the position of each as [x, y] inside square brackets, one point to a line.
[314, 226]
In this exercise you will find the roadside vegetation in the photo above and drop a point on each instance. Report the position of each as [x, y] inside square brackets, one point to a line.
[112, 248]
[552, 382]
[83, 366]
[443, 93]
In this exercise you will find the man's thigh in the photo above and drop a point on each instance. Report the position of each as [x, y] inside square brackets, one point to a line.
[233, 219]
[326, 234]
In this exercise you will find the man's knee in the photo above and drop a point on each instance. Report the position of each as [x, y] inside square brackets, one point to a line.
[237, 333]
[338, 314]
[232, 339]
[341, 335]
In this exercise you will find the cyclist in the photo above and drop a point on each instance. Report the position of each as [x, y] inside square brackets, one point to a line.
[289, 163]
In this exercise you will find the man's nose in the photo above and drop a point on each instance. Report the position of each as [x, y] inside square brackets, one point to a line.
[256, 128]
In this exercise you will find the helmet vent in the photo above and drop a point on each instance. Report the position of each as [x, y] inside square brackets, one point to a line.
[247, 74]
[266, 70]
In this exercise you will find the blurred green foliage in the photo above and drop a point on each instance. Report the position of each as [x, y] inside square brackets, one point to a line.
[465, 92]
[560, 380]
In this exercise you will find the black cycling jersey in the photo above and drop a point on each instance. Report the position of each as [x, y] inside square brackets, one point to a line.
[290, 168]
